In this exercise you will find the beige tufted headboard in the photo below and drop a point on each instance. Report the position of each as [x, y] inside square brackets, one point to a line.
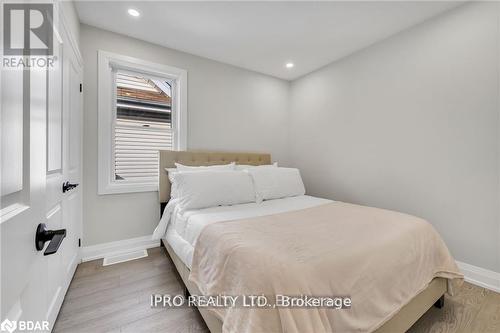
[168, 158]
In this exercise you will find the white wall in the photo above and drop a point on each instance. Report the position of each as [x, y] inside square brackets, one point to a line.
[228, 109]
[412, 124]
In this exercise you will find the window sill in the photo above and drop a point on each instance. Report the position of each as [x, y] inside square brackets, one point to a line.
[117, 188]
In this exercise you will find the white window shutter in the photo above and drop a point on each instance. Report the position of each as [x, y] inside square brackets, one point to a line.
[142, 127]
[137, 146]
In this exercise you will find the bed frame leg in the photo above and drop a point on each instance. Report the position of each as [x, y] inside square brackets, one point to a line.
[439, 303]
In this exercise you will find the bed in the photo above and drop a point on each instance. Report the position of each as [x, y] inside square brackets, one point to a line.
[180, 236]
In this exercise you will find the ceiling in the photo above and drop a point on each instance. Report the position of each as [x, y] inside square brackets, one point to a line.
[262, 36]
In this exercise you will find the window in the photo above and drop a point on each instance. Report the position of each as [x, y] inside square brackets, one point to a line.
[142, 109]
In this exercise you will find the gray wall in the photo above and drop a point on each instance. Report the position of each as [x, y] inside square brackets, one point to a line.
[228, 109]
[409, 124]
[412, 124]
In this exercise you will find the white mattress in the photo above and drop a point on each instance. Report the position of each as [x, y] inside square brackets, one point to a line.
[183, 228]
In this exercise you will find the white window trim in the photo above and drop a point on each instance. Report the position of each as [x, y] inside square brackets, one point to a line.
[106, 181]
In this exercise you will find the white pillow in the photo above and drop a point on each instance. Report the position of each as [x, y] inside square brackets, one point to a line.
[173, 189]
[205, 189]
[182, 167]
[246, 167]
[275, 183]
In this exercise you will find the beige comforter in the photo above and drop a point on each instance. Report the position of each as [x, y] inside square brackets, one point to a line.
[380, 258]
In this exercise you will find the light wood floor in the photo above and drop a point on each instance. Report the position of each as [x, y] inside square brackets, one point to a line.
[116, 298]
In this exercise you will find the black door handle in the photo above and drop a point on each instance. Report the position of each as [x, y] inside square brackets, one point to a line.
[68, 186]
[54, 236]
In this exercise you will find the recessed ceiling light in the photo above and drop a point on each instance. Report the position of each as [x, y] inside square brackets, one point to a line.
[289, 65]
[133, 12]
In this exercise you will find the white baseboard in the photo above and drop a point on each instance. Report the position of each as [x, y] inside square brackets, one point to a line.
[100, 251]
[480, 276]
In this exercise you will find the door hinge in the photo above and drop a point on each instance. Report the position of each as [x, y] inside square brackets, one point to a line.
[81, 87]
[79, 242]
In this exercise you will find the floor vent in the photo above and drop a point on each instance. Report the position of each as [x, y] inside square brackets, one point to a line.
[124, 257]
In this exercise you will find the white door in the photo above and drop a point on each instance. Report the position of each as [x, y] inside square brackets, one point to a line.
[63, 203]
[23, 146]
[40, 149]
